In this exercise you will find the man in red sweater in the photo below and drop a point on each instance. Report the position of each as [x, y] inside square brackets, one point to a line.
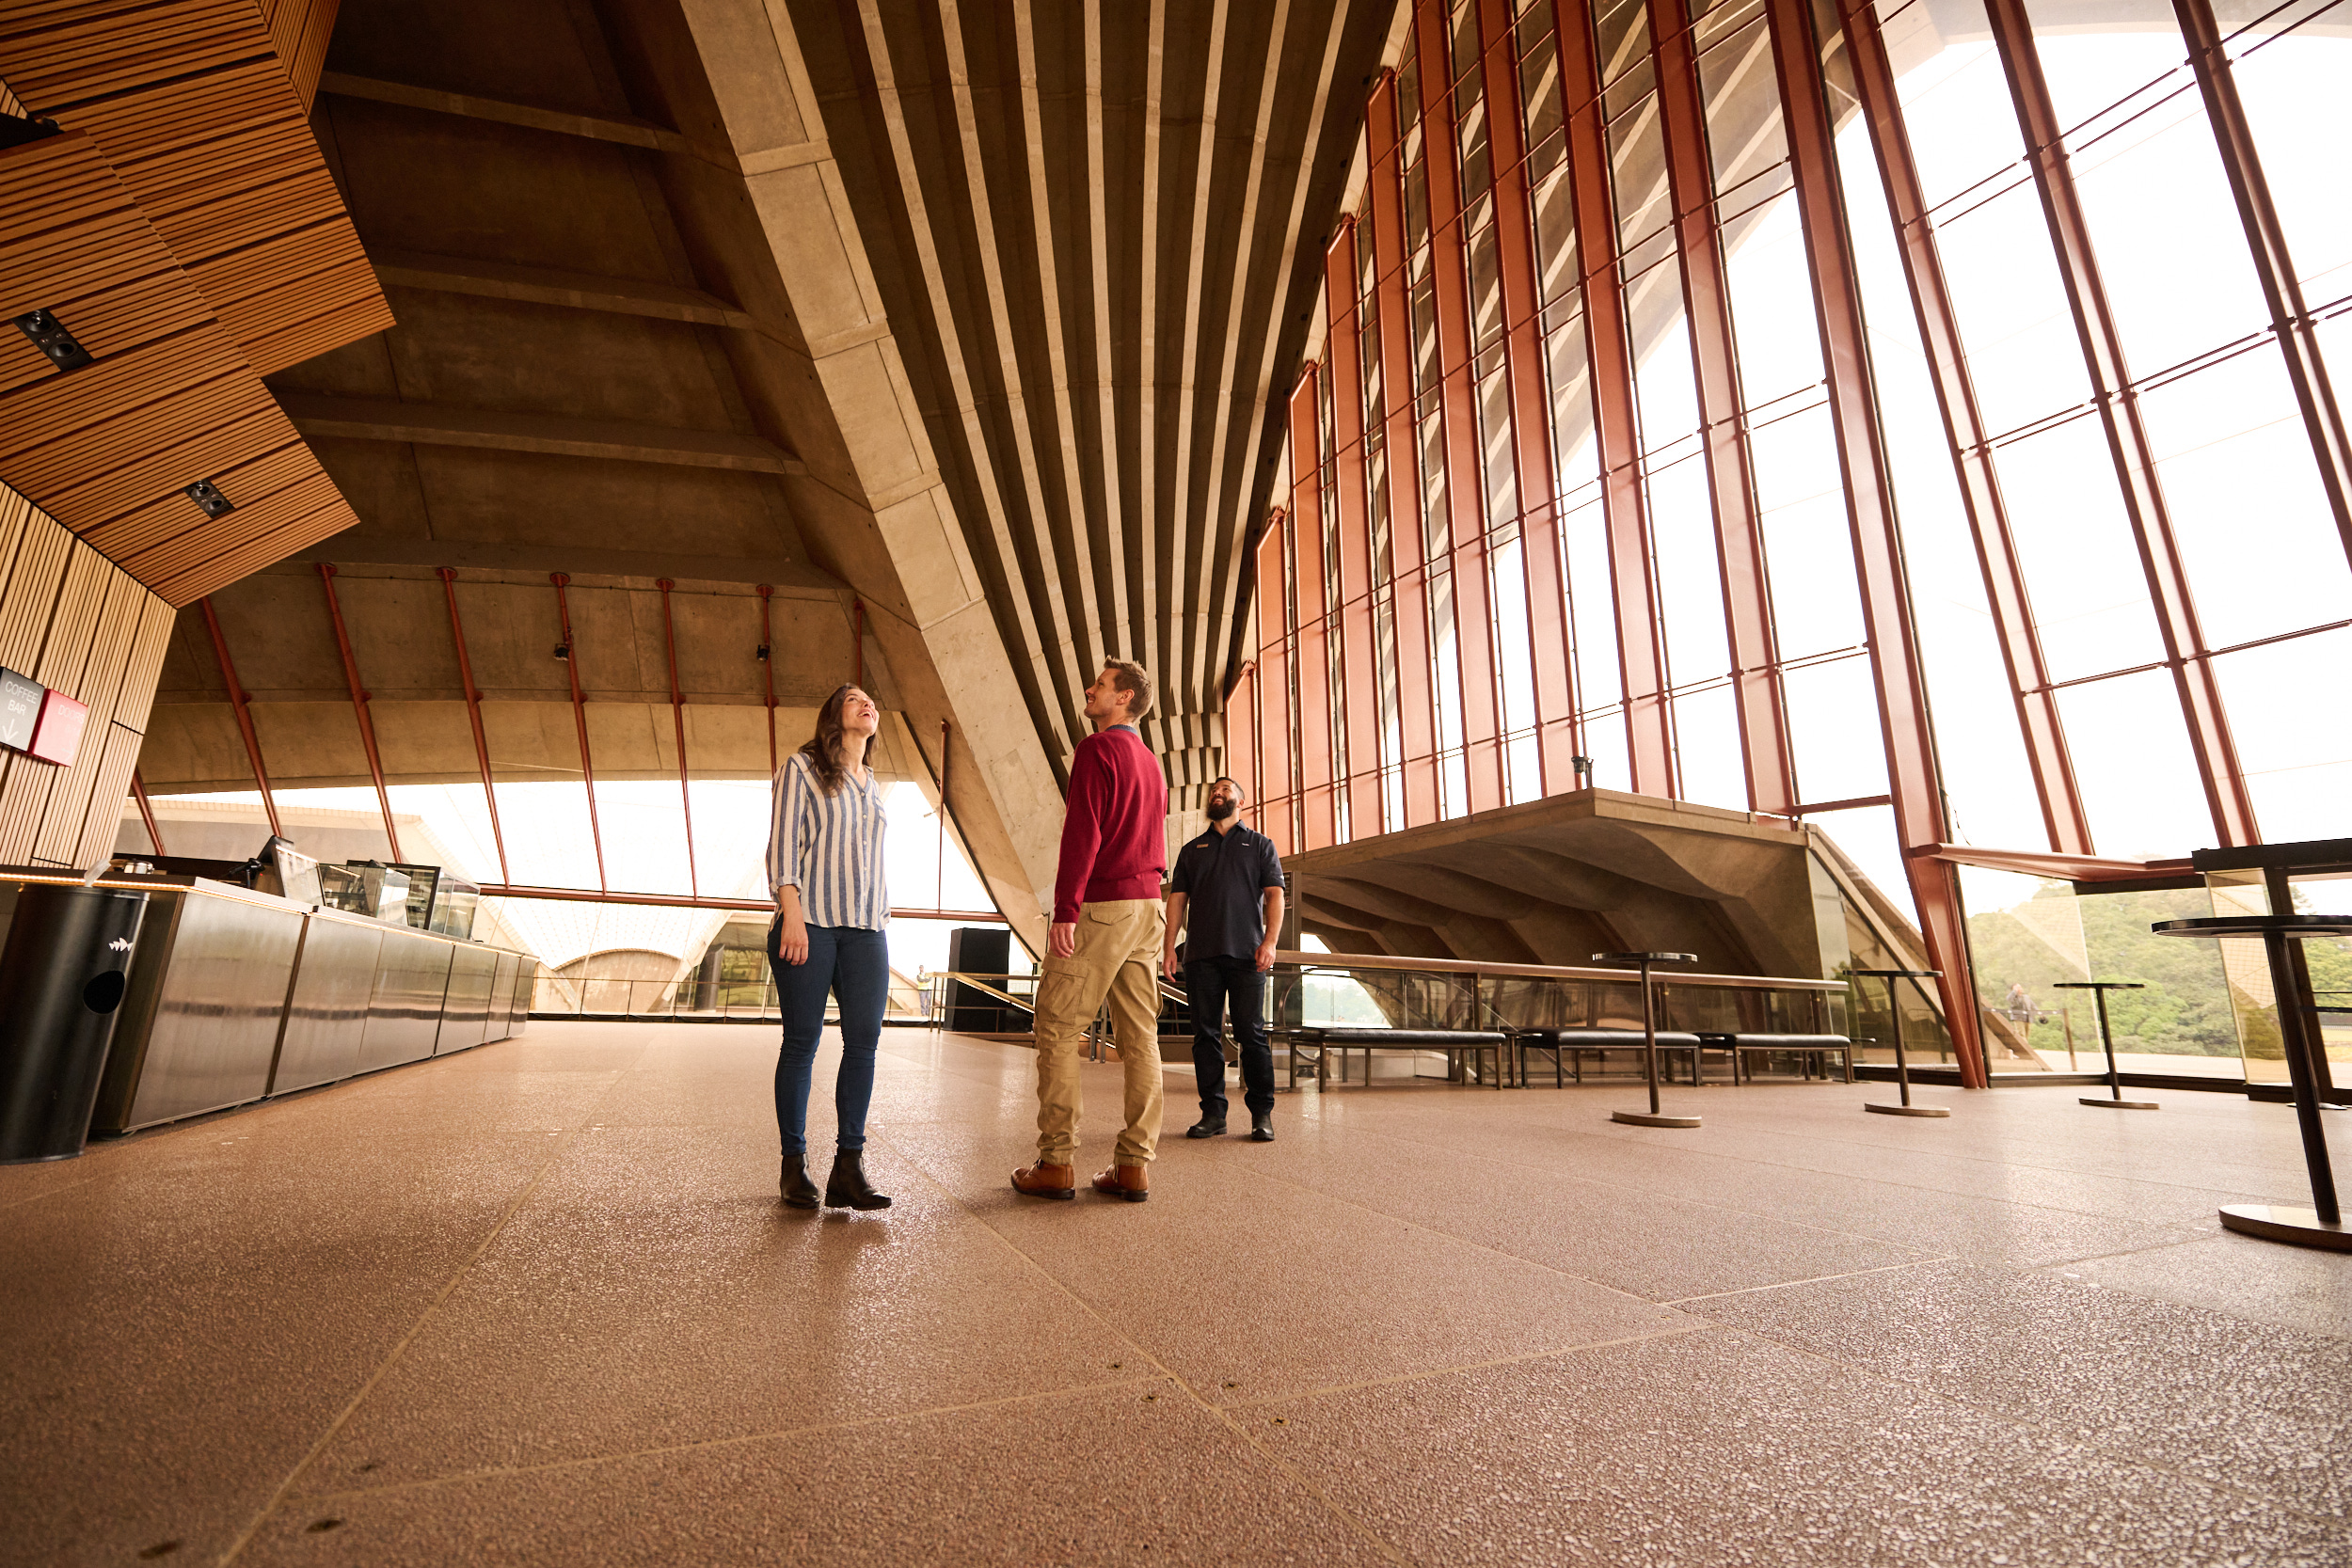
[1106, 941]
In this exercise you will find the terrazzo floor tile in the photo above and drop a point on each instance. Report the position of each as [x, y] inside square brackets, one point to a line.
[1717, 1448]
[2207, 1394]
[1136, 1474]
[2296, 1287]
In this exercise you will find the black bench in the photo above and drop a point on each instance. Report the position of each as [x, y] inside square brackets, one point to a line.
[1808, 1048]
[1481, 1045]
[1574, 1043]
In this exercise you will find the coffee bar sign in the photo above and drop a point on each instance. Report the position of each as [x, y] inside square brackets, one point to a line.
[39, 722]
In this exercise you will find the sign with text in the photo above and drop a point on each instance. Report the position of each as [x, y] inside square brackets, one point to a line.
[58, 736]
[20, 709]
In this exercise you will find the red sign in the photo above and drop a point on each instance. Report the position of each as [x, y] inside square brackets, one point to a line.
[57, 737]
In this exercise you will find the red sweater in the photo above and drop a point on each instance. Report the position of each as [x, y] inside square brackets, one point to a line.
[1114, 836]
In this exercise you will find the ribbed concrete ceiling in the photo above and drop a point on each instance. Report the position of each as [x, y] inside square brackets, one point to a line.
[1097, 229]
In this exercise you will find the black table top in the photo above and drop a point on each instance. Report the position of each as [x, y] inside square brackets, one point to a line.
[2098, 985]
[1646, 958]
[2257, 924]
[1900, 973]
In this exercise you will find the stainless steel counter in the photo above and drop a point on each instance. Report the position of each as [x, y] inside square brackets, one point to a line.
[236, 996]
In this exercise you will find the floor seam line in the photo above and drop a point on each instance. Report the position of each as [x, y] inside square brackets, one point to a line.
[1816, 1279]
[1379, 1542]
[704, 1443]
[431, 1308]
[1665, 1331]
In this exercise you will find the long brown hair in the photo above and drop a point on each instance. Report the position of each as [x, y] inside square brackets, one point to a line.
[823, 749]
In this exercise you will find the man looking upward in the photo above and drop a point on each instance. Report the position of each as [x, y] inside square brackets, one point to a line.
[1106, 933]
[1226, 902]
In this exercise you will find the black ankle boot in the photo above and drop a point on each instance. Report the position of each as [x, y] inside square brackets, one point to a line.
[846, 1188]
[799, 1191]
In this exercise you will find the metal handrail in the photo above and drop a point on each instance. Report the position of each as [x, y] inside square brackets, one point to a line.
[1542, 972]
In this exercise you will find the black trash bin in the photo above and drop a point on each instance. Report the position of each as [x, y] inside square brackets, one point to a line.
[62, 975]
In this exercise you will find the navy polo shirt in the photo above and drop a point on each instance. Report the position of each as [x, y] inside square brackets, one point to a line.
[1225, 875]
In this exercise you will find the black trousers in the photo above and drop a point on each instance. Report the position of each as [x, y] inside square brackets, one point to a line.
[1211, 985]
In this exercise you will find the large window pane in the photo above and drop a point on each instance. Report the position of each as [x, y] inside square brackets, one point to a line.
[2019, 332]
[1707, 749]
[2293, 90]
[1817, 605]
[2294, 738]
[2082, 567]
[2132, 758]
[1833, 730]
[2253, 524]
[1690, 578]
[1954, 96]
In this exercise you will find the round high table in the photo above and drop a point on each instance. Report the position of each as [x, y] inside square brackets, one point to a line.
[1894, 1021]
[1649, 1034]
[2322, 1224]
[2099, 989]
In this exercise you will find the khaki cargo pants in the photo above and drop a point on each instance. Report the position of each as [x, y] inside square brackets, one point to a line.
[1118, 957]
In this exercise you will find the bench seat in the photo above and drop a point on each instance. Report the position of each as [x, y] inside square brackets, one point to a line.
[1481, 1045]
[1573, 1043]
[1810, 1048]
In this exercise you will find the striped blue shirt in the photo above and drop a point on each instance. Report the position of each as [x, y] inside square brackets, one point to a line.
[830, 847]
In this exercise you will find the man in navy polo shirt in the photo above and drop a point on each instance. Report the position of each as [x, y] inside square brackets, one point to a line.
[1225, 904]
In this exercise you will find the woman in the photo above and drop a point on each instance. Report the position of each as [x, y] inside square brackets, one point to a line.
[825, 867]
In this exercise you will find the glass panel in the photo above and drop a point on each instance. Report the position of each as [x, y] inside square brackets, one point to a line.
[1780, 349]
[1707, 749]
[1555, 246]
[1808, 542]
[1954, 96]
[1577, 457]
[1513, 657]
[2132, 761]
[2023, 349]
[1833, 730]
[1637, 158]
[1666, 396]
[2260, 544]
[1503, 484]
[2294, 735]
[1689, 577]
[2292, 88]
[1743, 125]
[1623, 31]
[1446, 662]
[2082, 567]
[2171, 248]
[1591, 620]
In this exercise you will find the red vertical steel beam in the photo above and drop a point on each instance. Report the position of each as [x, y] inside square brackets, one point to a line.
[474, 715]
[1916, 783]
[1359, 716]
[678, 717]
[147, 812]
[2218, 768]
[2290, 318]
[939, 867]
[1408, 571]
[243, 707]
[359, 700]
[580, 717]
[2038, 719]
[1317, 789]
[1558, 736]
[1241, 731]
[1457, 399]
[767, 674]
[1755, 683]
[1277, 806]
[1616, 433]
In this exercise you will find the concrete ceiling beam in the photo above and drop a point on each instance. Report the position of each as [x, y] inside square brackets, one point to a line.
[558, 434]
[626, 130]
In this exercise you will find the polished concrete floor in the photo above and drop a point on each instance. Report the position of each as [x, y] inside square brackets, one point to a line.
[538, 1303]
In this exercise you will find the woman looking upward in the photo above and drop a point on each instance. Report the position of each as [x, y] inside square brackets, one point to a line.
[825, 867]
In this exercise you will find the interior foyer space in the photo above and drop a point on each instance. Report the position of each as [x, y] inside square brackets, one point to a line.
[549, 1310]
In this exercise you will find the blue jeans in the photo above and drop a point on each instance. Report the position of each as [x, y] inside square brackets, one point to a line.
[852, 963]
[1211, 986]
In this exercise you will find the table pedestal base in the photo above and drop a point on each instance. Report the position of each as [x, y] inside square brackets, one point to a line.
[1908, 1110]
[2276, 1222]
[2124, 1104]
[1643, 1118]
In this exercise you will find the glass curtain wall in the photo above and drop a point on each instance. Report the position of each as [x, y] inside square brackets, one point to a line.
[1711, 387]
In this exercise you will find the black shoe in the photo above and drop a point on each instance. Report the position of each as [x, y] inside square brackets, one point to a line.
[846, 1188]
[799, 1191]
[1261, 1128]
[1204, 1128]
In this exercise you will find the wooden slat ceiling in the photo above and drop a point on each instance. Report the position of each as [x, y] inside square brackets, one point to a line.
[107, 449]
[187, 231]
[1098, 232]
[209, 126]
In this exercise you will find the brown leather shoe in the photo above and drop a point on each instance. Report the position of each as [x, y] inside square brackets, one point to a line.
[1131, 1182]
[1044, 1180]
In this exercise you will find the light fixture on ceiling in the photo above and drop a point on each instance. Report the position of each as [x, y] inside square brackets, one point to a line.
[208, 497]
[48, 334]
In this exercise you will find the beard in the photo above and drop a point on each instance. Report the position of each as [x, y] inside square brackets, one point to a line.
[1220, 810]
